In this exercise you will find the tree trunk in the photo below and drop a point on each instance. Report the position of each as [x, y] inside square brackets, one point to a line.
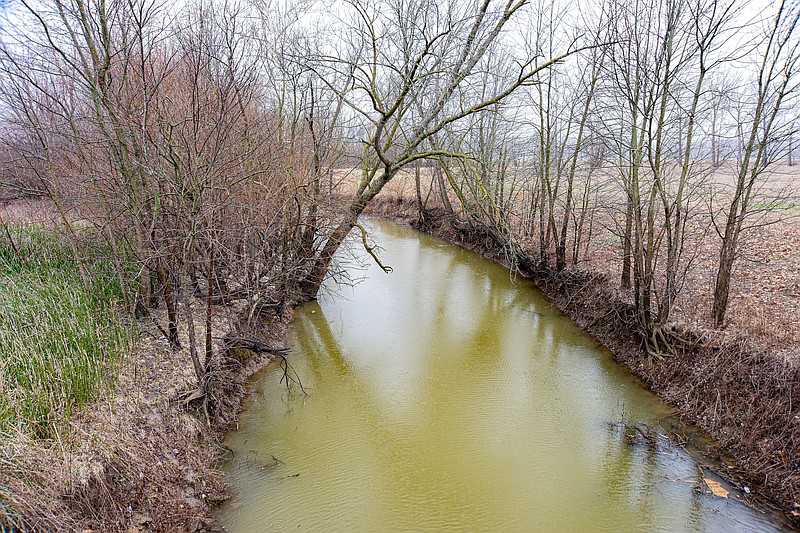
[319, 269]
[165, 278]
[448, 207]
[311, 284]
[626, 245]
[727, 255]
[418, 190]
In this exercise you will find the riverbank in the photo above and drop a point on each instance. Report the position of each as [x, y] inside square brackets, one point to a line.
[742, 394]
[143, 453]
[140, 458]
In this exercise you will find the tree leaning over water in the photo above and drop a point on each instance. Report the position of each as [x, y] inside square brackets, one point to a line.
[203, 140]
[409, 70]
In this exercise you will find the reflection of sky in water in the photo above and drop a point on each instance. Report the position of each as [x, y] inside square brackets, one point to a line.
[447, 396]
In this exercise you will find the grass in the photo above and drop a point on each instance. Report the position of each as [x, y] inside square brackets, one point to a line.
[775, 206]
[60, 345]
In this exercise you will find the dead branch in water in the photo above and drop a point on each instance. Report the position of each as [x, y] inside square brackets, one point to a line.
[242, 343]
[287, 378]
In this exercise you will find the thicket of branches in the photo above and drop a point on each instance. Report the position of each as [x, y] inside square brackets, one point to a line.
[199, 141]
[169, 137]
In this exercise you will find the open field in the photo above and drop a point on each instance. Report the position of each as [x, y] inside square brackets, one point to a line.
[765, 288]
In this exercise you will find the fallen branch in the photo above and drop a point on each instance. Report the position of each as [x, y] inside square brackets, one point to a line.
[286, 367]
[230, 342]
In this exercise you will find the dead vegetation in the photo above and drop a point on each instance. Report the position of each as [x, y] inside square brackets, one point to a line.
[145, 457]
[200, 144]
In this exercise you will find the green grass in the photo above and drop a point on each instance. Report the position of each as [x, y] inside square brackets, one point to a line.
[783, 206]
[60, 345]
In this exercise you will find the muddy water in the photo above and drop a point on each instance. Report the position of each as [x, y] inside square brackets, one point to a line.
[449, 396]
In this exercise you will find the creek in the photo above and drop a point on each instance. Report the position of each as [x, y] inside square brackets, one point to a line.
[449, 395]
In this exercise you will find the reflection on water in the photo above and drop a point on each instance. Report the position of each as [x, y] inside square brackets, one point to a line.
[449, 396]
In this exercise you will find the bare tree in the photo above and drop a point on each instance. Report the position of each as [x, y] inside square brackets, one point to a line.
[776, 83]
[658, 71]
[562, 103]
[409, 69]
[155, 128]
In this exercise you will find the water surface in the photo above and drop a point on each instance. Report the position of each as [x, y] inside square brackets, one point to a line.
[448, 396]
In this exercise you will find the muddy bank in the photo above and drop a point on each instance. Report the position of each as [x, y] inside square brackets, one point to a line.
[747, 399]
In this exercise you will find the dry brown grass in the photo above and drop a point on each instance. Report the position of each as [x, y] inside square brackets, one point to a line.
[31, 210]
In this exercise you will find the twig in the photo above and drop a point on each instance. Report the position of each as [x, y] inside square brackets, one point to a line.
[21, 259]
[371, 249]
[286, 367]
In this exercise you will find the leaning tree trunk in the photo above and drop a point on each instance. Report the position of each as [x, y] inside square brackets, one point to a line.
[311, 284]
[319, 269]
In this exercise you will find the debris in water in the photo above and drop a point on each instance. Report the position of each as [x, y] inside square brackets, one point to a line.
[716, 488]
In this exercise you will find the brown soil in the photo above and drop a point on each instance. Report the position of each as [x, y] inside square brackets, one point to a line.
[741, 386]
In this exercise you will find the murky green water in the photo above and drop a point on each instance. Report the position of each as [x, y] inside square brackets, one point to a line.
[447, 396]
